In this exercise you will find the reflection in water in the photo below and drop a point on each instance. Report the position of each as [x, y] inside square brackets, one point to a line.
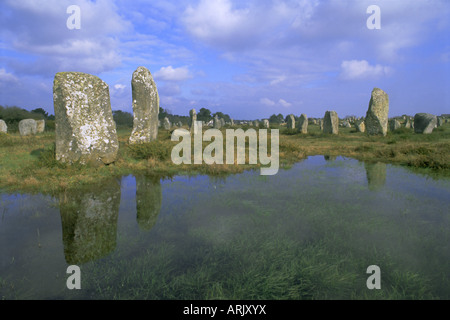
[89, 222]
[148, 201]
[330, 158]
[376, 175]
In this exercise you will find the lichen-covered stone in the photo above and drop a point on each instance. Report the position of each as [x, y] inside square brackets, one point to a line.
[145, 107]
[377, 114]
[40, 126]
[331, 122]
[424, 123]
[291, 122]
[303, 124]
[3, 126]
[27, 127]
[85, 130]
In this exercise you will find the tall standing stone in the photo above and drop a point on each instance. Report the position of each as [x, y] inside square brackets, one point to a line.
[303, 124]
[331, 122]
[222, 122]
[145, 107]
[256, 123]
[217, 123]
[424, 123]
[3, 126]
[266, 123]
[377, 114]
[85, 129]
[193, 126]
[27, 127]
[166, 124]
[291, 122]
[40, 126]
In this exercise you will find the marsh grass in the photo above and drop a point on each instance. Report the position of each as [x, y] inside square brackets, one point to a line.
[28, 164]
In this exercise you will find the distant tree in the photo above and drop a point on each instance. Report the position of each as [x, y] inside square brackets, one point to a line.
[226, 117]
[123, 118]
[204, 115]
[40, 111]
[276, 118]
[163, 113]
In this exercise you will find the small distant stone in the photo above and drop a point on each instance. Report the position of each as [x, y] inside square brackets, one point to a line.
[40, 126]
[3, 126]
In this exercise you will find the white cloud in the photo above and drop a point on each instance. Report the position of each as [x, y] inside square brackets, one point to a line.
[284, 103]
[7, 77]
[267, 102]
[361, 69]
[173, 74]
[120, 86]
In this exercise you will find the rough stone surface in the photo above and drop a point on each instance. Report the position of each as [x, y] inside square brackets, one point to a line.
[266, 123]
[377, 114]
[408, 124]
[166, 124]
[303, 124]
[145, 107]
[424, 123]
[360, 126]
[40, 126]
[85, 130]
[331, 122]
[27, 127]
[291, 121]
[3, 126]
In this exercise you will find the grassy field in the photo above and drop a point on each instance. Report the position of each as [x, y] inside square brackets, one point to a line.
[27, 164]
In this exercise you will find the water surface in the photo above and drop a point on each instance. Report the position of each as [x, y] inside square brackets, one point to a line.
[310, 232]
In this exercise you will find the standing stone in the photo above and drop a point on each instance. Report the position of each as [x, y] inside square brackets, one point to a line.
[394, 125]
[232, 122]
[40, 126]
[408, 124]
[331, 122]
[193, 126]
[377, 114]
[266, 123]
[303, 124]
[440, 121]
[256, 123]
[222, 122]
[166, 124]
[145, 107]
[27, 127]
[3, 126]
[321, 124]
[217, 123]
[424, 123]
[291, 122]
[85, 130]
[360, 126]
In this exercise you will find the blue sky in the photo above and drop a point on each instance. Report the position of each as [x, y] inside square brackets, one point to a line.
[248, 58]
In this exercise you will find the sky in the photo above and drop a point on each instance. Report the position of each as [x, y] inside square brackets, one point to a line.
[246, 58]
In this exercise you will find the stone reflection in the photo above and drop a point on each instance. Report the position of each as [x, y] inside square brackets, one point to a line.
[376, 175]
[89, 222]
[330, 158]
[148, 201]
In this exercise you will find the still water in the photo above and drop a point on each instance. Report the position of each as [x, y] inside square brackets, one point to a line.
[310, 232]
